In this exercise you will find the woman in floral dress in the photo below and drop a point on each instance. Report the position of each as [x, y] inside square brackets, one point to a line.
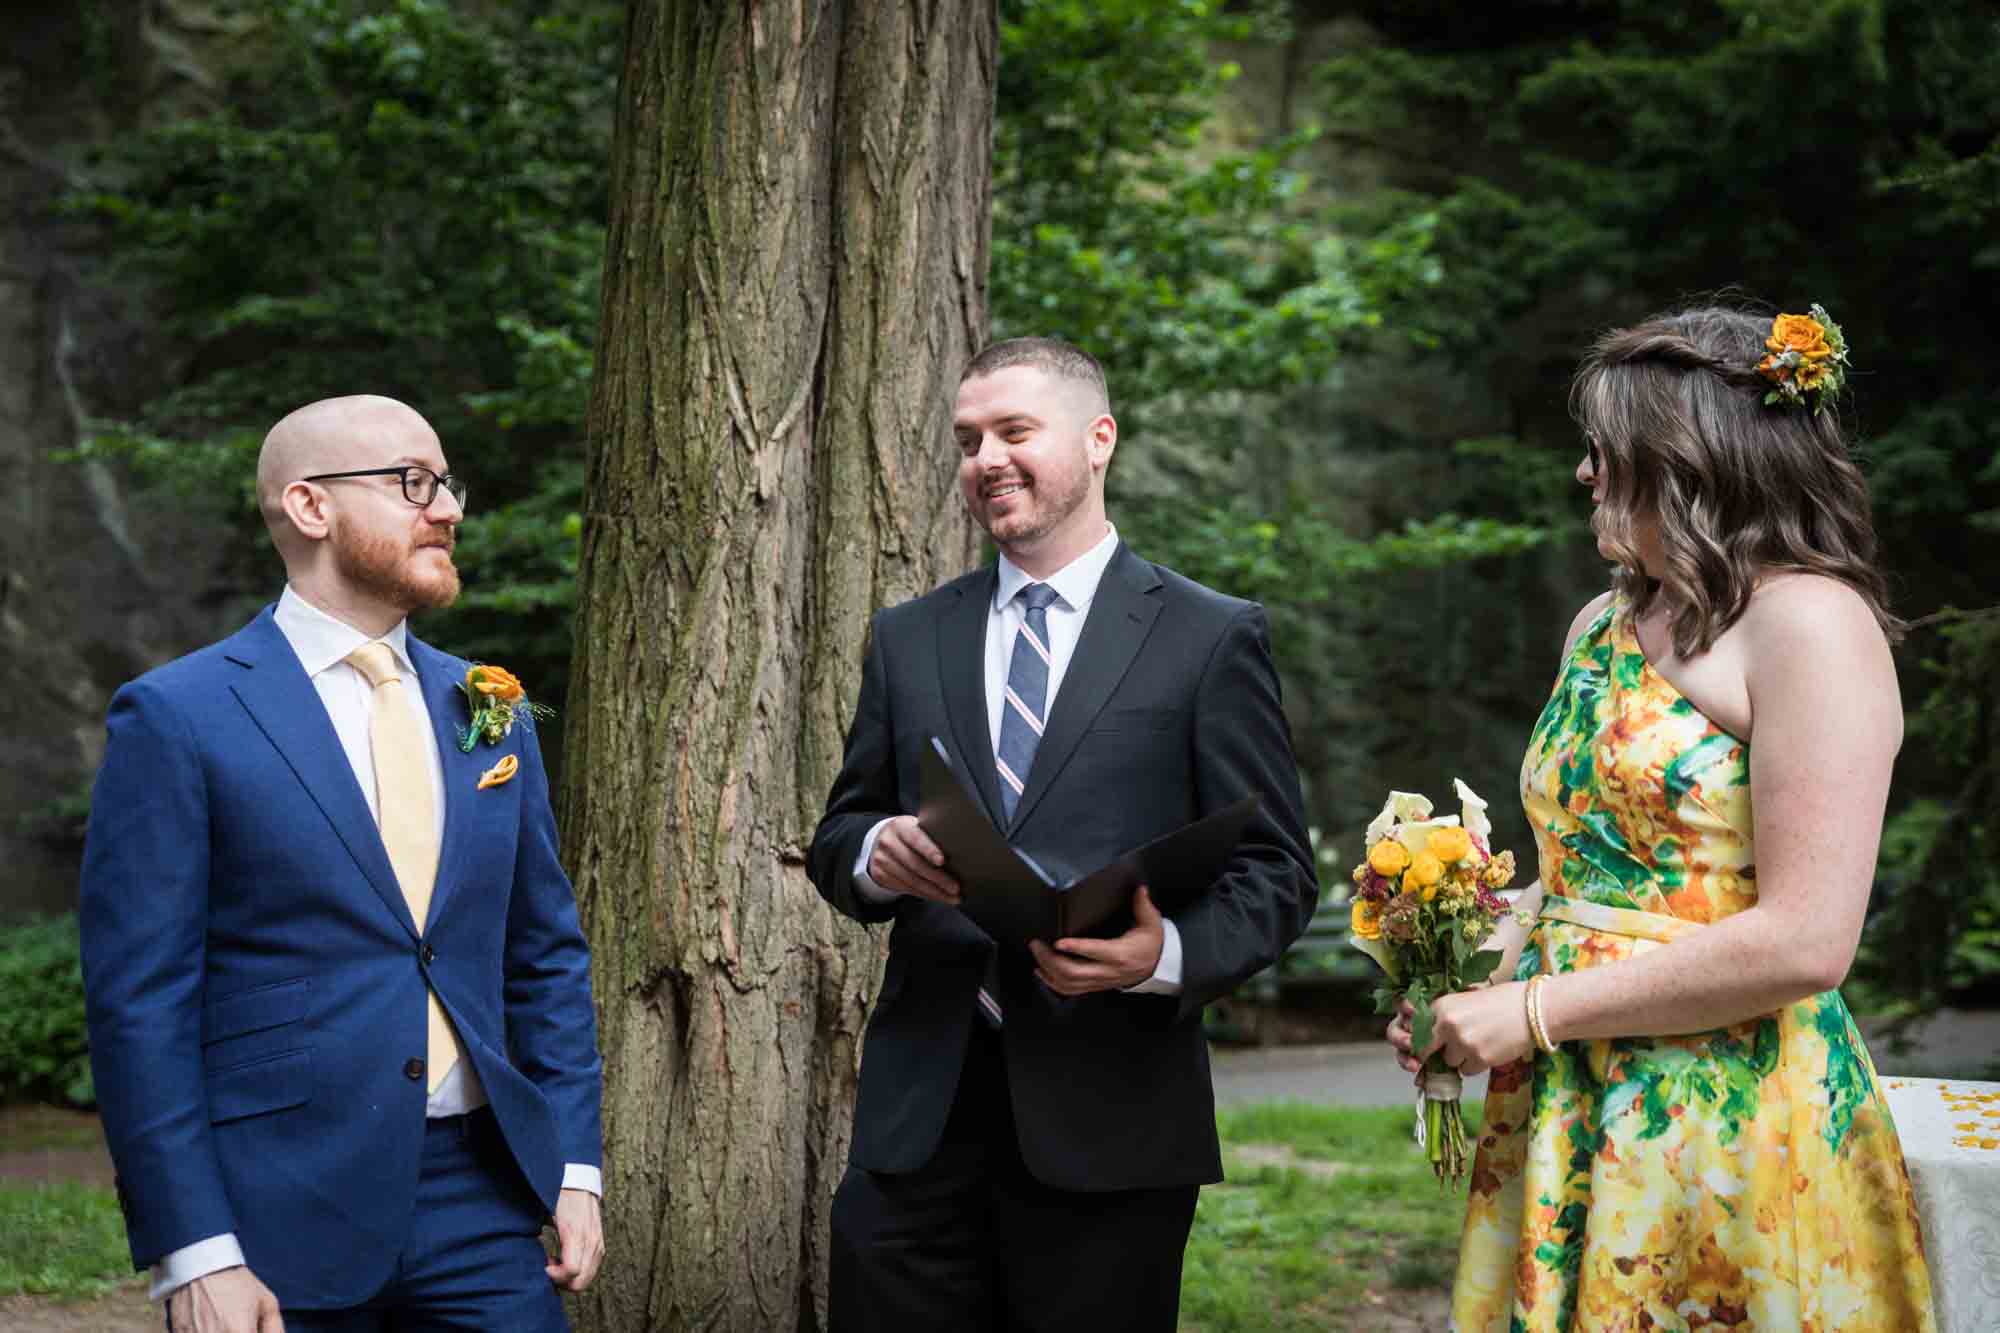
[1683, 1129]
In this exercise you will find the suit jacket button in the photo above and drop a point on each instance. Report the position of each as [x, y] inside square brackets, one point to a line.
[413, 1069]
[427, 955]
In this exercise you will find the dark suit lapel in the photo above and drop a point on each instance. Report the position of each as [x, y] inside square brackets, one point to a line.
[439, 676]
[962, 673]
[275, 690]
[1121, 616]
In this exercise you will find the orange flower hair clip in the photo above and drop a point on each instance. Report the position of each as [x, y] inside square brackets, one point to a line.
[1807, 364]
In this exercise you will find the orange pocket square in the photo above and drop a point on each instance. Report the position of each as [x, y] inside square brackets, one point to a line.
[499, 773]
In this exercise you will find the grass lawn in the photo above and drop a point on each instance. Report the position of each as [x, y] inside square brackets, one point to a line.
[61, 1239]
[1330, 1219]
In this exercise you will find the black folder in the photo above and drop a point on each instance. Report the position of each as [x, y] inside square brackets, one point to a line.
[1013, 899]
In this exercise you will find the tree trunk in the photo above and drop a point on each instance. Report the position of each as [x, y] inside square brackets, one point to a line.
[795, 272]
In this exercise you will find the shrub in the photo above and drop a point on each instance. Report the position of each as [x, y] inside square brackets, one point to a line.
[44, 1047]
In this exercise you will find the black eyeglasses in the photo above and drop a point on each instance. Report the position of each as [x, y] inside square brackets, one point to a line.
[420, 484]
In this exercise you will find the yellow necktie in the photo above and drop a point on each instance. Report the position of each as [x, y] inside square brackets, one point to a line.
[406, 811]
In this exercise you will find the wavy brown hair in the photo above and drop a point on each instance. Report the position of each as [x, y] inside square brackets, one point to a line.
[1676, 409]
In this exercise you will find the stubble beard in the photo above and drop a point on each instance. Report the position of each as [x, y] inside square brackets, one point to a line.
[1048, 512]
[382, 567]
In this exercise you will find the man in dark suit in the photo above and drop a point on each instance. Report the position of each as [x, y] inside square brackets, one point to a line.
[1033, 1126]
[339, 1004]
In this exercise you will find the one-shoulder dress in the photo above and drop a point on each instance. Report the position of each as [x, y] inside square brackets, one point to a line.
[1742, 1178]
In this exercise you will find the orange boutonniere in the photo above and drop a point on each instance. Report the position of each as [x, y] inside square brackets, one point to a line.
[498, 701]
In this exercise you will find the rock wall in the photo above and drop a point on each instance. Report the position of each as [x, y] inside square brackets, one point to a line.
[99, 581]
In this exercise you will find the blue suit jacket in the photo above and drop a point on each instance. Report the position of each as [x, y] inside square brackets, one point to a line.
[255, 982]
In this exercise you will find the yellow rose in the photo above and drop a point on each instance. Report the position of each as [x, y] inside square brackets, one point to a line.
[1798, 333]
[1450, 844]
[1365, 919]
[495, 683]
[1387, 858]
[1425, 872]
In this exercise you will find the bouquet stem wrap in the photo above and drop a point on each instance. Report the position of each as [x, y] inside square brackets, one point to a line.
[1440, 1126]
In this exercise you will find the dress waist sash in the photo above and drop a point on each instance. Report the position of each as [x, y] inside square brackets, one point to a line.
[1616, 920]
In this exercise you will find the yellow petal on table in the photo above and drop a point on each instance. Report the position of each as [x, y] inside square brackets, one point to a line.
[499, 773]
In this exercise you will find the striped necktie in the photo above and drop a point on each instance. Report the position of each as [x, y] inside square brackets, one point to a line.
[1026, 704]
[1021, 716]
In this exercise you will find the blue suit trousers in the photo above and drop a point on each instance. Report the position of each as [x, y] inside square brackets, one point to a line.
[474, 1260]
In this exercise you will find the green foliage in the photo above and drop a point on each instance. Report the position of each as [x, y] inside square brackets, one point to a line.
[1297, 558]
[1589, 162]
[1338, 356]
[44, 1045]
[61, 1239]
[406, 198]
[1936, 930]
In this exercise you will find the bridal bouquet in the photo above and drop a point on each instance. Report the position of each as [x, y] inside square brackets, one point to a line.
[1424, 901]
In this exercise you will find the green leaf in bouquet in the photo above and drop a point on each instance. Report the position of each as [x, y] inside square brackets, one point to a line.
[1387, 997]
[1422, 1024]
[1481, 966]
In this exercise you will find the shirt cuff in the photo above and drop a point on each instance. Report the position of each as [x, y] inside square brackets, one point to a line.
[189, 1262]
[577, 1176]
[864, 887]
[1166, 978]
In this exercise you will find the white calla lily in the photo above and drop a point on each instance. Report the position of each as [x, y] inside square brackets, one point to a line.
[1473, 810]
[1403, 805]
[1384, 956]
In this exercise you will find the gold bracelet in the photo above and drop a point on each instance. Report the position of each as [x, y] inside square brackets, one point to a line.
[1532, 999]
[1528, 1007]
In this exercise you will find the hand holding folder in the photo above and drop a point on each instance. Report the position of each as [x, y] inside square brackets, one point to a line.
[1015, 900]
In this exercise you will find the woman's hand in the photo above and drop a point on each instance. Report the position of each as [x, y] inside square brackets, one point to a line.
[1478, 1030]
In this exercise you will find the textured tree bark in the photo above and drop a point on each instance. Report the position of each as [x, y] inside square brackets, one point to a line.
[795, 272]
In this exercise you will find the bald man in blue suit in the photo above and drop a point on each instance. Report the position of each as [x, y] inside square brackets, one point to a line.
[339, 1002]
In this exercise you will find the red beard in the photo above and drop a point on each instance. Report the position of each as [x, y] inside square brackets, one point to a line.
[385, 568]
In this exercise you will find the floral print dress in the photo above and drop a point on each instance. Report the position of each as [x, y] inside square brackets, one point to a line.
[1744, 1178]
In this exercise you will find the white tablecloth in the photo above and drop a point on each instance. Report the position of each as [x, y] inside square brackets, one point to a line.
[1950, 1130]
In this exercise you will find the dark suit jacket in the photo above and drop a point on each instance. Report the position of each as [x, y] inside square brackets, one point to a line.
[1169, 710]
[255, 983]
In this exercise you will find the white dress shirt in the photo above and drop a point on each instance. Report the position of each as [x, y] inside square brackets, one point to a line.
[1076, 587]
[323, 645]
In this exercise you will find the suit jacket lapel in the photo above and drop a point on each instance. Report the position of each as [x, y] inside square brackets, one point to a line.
[280, 698]
[439, 677]
[962, 673]
[1121, 616]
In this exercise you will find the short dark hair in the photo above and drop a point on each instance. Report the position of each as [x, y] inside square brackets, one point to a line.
[1676, 408]
[1051, 355]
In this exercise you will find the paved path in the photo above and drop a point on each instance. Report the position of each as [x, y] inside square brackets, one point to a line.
[1954, 1043]
[1350, 1074]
